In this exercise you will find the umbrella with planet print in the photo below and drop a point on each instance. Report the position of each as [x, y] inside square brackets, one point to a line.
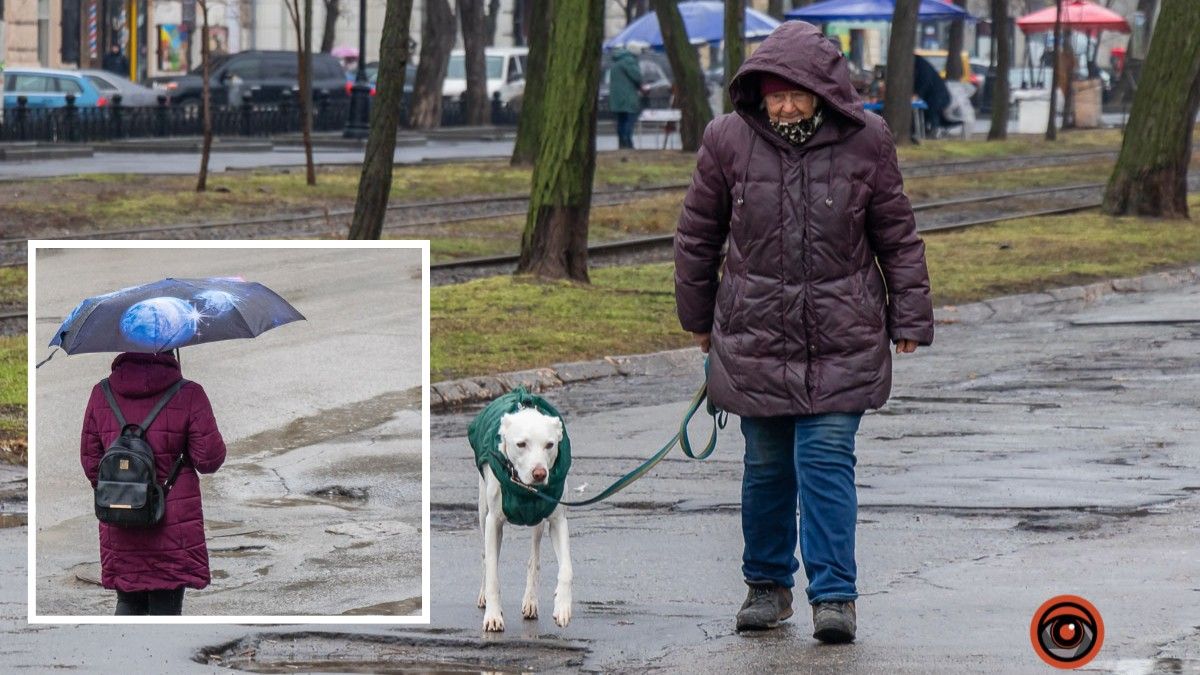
[172, 313]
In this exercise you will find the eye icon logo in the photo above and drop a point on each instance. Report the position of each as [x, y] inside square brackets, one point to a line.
[1066, 631]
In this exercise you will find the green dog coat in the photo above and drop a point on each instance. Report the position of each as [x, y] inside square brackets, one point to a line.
[521, 506]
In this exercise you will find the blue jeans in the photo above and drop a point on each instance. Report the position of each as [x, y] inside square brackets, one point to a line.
[811, 458]
[625, 124]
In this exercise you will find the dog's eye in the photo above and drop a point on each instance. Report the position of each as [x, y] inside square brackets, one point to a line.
[549, 445]
[520, 444]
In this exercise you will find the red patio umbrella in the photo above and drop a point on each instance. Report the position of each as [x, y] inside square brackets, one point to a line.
[1077, 15]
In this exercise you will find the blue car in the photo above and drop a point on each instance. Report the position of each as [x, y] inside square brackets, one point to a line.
[45, 88]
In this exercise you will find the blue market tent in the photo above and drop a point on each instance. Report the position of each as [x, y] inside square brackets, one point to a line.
[704, 21]
[874, 10]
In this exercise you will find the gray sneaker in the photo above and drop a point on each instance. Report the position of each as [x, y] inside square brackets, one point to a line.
[765, 606]
[834, 622]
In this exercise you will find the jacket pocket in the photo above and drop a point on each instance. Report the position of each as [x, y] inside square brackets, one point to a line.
[870, 307]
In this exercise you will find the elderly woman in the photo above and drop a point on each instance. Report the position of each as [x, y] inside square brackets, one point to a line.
[824, 267]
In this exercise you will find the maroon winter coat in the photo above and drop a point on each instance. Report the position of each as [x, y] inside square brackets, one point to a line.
[172, 554]
[801, 317]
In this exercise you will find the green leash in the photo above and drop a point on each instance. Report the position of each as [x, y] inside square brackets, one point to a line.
[509, 480]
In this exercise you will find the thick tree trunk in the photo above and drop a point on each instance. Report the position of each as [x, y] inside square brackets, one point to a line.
[438, 27]
[529, 125]
[954, 47]
[1150, 178]
[1000, 86]
[691, 93]
[376, 181]
[735, 48]
[205, 101]
[332, 10]
[554, 244]
[475, 99]
[897, 100]
[1051, 126]
[1068, 76]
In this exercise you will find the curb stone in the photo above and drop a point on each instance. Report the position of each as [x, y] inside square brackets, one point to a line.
[455, 394]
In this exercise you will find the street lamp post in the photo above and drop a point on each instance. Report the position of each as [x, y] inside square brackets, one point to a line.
[358, 124]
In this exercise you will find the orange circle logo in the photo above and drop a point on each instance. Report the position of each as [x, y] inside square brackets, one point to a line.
[1066, 631]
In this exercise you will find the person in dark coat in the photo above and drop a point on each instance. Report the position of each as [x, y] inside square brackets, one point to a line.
[929, 85]
[150, 568]
[115, 62]
[824, 268]
[624, 94]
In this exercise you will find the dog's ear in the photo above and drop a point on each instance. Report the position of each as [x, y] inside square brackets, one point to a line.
[505, 425]
[558, 430]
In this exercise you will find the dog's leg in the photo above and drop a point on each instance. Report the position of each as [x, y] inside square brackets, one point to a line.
[493, 616]
[529, 606]
[562, 551]
[483, 511]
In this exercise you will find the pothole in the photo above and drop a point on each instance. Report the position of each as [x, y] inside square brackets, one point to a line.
[326, 652]
[340, 493]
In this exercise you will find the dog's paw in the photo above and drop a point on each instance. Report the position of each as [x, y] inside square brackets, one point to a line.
[562, 614]
[493, 623]
[529, 609]
[481, 603]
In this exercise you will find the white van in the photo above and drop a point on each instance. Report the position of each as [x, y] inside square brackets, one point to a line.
[505, 68]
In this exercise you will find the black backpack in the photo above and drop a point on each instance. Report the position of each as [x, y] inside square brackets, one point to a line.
[127, 489]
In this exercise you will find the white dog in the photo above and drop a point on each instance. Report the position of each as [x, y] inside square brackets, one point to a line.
[530, 441]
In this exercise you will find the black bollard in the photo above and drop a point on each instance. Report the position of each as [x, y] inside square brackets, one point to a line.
[116, 115]
[71, 120]
[160, 116]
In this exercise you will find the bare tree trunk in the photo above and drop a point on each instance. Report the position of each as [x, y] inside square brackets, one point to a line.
[1150, 177]
[493, 12]
[554, 244]
[438, 26]
[691, 93]
[376, 181]
[735, 48]
[205, 100]
[954, 48]
[897, 100]
[475, 99]
[333, 9]
[302, 24]
[529, 125]
[1051, 126]
[1068, 57]
[1000, 85]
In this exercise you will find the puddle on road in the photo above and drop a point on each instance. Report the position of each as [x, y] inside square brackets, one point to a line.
[330, 424]
[413, 653]
[397, 608]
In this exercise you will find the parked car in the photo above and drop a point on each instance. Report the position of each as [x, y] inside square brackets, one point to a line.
[47, 88]
[132, 93]
[505, 68]
[262, 77]
[656, 73]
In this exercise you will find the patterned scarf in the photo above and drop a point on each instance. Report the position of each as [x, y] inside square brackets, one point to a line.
[800, 131]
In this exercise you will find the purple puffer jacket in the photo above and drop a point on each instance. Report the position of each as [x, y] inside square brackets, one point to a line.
[801, 316]
[173, 554]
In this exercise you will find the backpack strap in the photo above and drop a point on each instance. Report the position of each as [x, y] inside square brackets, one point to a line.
[112, 402]
[162, 402]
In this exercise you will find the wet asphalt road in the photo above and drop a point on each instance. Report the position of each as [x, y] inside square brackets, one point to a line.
[322, 419]
[1015, 462]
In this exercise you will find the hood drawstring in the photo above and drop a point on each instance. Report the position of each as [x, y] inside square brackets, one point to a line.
[829, 180]
[741, 198]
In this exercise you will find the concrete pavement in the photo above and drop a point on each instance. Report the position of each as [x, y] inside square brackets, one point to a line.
[1016, 461]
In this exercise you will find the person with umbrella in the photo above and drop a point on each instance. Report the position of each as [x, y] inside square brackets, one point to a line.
[798, 196]
[150, 568]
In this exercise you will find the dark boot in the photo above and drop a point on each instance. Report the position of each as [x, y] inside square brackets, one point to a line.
[766, 605]
[834, 622]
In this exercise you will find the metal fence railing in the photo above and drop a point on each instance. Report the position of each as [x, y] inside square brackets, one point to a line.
[74, 124]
